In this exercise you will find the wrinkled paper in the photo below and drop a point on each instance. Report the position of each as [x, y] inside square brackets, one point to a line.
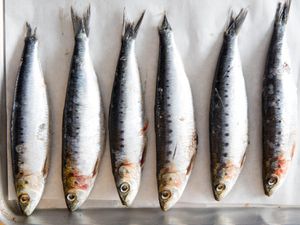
[198, 28]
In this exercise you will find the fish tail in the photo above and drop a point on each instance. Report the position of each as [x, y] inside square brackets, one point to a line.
[236, 22]
[130, 30]
[165, 25]
[30, 33]
[282, 12]
[81, 24]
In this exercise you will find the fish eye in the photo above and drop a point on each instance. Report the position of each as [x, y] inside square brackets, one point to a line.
[220, 187]
[165, 195]
[125, 187]
[71, 197]
[272, 180]
[24, 198]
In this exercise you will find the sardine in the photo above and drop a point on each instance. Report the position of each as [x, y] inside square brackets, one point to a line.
[228, 113]
[30, 128]
[127, 123]
[279, 112]
[175, 128]
[83, 120]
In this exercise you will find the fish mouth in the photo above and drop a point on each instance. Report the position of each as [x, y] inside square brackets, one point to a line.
[269, 191]
[124, 201]
[27, 211]
[165, 207]
[218, 197]
[73, 207]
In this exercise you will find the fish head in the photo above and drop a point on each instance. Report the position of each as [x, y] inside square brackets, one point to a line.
[271, 183]
[170, 189]
[77, 189]
[223, 179]
[276, 167]
[75, 198]
[274, 173]
[128, 182]
[29, 191]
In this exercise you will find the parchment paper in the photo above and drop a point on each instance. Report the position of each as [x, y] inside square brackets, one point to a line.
[198, 27]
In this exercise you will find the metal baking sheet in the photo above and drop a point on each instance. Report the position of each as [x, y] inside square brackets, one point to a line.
[198, 27]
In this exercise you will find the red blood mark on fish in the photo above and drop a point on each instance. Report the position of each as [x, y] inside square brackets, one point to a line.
[293, 150]
[145, 128]
[172, 179]
[286, 67]
[143, 157]
[282, 166]
[79, 181]
[189, 169]
[169, 169]
[231, 170]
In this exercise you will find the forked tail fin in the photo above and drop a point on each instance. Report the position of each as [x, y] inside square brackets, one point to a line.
[130, 29]
[282, 12]
[236, 23]
[81, 24]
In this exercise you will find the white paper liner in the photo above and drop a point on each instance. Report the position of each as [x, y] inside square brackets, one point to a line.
[198, 28]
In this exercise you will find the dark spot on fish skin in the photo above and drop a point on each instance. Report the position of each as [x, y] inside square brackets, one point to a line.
[169, 121]
[226, 144]
[226, 96]
[122, 146]
[226, 105]
[170, 131]
[174, 152]
[169, 152]
[167, 161]
[121, 131]
[279, 132]
[226, 124]
[227, 134]
[226, 114]
[278, 144]
[170, 142]
[225, 154]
